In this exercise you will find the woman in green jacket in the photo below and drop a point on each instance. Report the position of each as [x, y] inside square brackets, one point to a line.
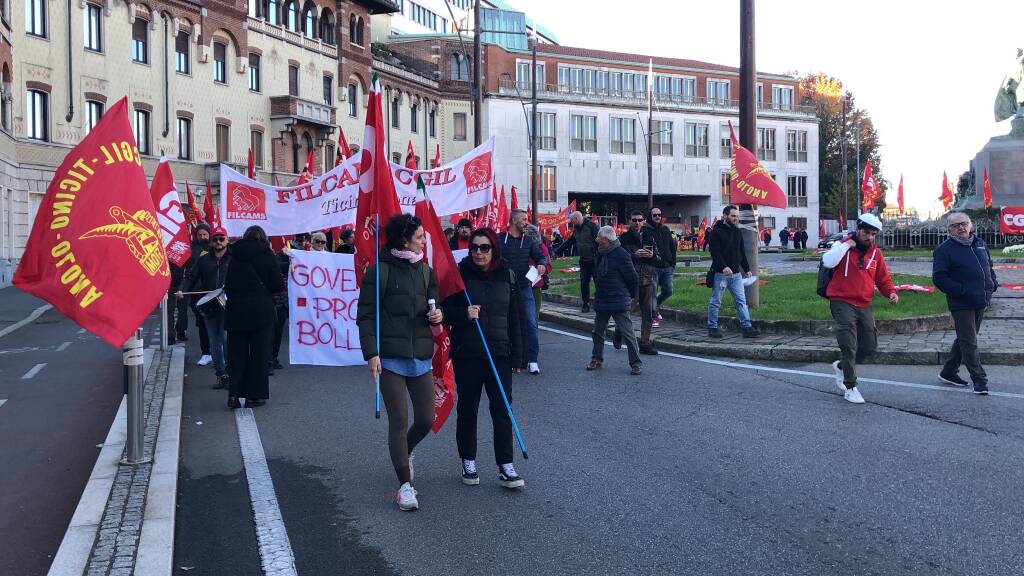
[406, 341]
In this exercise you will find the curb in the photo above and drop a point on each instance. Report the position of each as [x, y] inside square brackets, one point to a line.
[156, 543]
[786, 352]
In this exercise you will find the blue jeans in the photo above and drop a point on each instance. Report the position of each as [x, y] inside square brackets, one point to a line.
[530, 314]
[218, 342]
[663, 278]
[735, 286]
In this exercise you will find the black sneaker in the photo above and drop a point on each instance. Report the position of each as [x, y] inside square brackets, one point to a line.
[469, 475]
[952, 379]
[617, 340]
[714, 333]
[751, 332]
[276, 364]
[222, 382]
[648, 349]
[981, 388]
[508, 477]
[586, 308]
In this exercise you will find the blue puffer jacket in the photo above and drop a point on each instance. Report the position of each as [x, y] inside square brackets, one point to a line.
[964, 274]
[516, 253]
[615, 280]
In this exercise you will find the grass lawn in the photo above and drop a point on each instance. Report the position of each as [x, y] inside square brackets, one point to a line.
[793, 296]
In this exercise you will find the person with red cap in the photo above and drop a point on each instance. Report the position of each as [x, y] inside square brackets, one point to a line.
[209, 274]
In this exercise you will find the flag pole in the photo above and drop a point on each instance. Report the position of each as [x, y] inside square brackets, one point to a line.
[376, 284]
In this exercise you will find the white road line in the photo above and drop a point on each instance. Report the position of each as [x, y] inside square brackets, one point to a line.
[35, 370]
[27, 320]
[2, 402]
[761, 368]
[275, 548]
[63, 346]
[81, 330]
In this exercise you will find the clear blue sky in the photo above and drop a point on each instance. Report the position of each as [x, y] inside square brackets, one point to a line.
[927, 72]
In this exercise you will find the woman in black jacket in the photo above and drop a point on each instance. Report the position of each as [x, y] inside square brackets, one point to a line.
[497, 305]
[403, 361]
[251, 279]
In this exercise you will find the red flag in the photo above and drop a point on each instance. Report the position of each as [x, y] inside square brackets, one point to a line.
[821, 228]
[702, 230]
[515, 201]
[985, 184]
[251, 172]
[95, 251]
[170, 215]
[899, 195]
[869, 189]
[749, 182]
[490, 212]
[947, 192]
[193, 208]
[378, 200]
[410, 157]
[503, 211]
[842, 222]
[437, 156]
[211, 214]
[343, 150]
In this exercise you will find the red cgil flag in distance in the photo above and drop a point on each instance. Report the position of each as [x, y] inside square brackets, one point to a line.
[210, 212]
[439, 256]
[170, 215]
[749, 182]
[503, 211]
[702, 230]
[95, 251]
[437, 156]
[869, 189]
[193, 209]
[514, 200]
[377, 196]
[986, 185]
[343, 150]
[410, 157]
[947, 192]
[899, 196]
[821, 228]
[842, 221]
[251, 166]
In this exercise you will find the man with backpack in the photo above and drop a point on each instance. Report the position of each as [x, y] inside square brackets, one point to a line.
[848, 275]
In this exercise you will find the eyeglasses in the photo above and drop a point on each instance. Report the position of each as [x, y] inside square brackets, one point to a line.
[636, 219]
[960, 225]
[319, 241]
[481, 248]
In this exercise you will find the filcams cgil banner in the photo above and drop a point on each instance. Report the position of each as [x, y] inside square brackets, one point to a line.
[330, 200]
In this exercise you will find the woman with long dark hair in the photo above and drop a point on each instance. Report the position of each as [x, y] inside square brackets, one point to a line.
[253, 277]
[497, 306]
[403, 361]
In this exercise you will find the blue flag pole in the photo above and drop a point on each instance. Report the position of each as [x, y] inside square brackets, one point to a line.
[376, 375]
[497, 378]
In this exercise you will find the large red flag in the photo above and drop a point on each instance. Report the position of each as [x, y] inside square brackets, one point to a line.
[869, 189]
[515, 201]
[343, 150]
[986, 185]
[210, 213]
[170, 215]
[193, 209]
[899, 196]
[437, 156]
[95, 251]
[503, 212]
[378, 200]
[251, 166]
[749, 182]
[702, 230]
[439, 256]
[410, 157]
[947, 192]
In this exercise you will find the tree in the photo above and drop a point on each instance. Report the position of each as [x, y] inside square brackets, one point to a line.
[826, 94]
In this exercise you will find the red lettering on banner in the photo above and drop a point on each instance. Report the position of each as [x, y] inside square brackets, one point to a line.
[326, 333]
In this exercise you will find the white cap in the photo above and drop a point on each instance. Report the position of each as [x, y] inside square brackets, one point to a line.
[869, 219]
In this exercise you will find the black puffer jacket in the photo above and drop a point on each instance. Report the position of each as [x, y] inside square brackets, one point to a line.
[727, 249]
[404, 330]
[208, 272]
[615, 280]
[497, 293]
[253, 275]
[666, 245]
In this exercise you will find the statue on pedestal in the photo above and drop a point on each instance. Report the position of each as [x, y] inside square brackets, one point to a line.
[1010, 98]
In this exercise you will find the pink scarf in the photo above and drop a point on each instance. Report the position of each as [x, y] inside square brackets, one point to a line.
[409, 255]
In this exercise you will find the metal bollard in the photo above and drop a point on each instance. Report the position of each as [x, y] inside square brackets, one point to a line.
[133, 362]
[163, 323]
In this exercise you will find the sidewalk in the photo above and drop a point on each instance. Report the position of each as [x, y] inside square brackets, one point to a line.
[124, 523]
[1001, 339]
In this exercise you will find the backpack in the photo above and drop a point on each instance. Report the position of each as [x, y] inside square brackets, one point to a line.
[824, 277]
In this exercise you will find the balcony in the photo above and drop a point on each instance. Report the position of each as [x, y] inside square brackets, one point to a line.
[293, 38]
[638, 99]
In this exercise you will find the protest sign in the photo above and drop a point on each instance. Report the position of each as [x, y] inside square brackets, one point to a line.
[322, 300]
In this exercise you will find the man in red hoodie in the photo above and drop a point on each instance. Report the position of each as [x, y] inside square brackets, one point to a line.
[858, 267]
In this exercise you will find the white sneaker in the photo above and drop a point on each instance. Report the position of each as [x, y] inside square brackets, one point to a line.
[853, 396]
[838, 372]
[508, 478]
[534, 368]
[406, 498]
[205, 359]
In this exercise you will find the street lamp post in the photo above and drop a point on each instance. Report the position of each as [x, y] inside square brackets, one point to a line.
[748, 132]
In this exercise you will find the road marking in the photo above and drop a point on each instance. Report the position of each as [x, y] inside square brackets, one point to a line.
[81, 330]
[2, 402]
[275, 548]
[63, 346]
[830, 376]
[35, 370]
[27, 320]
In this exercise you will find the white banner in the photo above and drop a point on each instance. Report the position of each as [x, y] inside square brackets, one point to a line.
[322, 301]
[330, 200]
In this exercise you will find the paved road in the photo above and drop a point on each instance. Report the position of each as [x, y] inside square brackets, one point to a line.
[693, 468]
[59, 392]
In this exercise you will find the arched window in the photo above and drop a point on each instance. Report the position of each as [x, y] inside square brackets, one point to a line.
[358, 32]
[309, 21]
[464, 68]
[327, 27]
[456, 65]
[292, 17]
[274, 12]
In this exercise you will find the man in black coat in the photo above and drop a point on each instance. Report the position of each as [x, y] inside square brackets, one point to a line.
[516, 251]
[729, 263]
[663, 271]
[209, 274]
[639, 242]
[583, 240]
[200, 246]
[616, 285]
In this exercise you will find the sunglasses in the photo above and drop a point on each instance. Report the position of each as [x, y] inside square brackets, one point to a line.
[481, 248]
[636, 219]
[219, 239]
[655, 215]
[319, 241]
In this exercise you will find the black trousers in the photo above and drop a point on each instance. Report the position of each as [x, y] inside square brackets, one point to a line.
[282, 321]
[965, 348]
[204, 338]
[473, 375]
[248, 353]
[586, 274]
[176, 327]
